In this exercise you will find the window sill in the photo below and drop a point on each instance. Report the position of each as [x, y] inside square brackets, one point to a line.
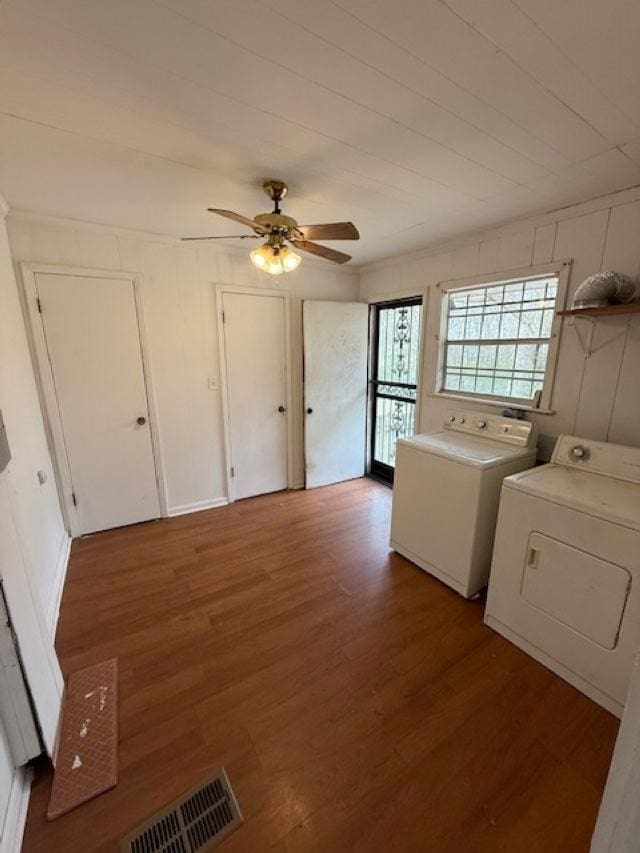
[490, 401]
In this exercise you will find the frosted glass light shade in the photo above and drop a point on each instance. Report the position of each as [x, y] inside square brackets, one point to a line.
[274, 260]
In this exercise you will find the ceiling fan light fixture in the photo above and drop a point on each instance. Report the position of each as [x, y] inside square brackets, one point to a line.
[291, 260]
[275, 256]
[274, 267]
[274, 260]
[261, 257]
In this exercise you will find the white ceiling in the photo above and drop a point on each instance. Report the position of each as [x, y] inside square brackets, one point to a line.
[416, 119]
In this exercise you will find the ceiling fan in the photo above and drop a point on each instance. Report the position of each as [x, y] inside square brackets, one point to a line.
[275, 256]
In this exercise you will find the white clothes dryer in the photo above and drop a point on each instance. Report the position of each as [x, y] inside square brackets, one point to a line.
[565, 576]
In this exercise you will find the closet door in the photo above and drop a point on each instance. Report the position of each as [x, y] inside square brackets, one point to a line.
[93, 344]
[255, 356]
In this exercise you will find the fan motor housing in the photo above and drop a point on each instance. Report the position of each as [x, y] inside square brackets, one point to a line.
[276, 190]
[276, 221]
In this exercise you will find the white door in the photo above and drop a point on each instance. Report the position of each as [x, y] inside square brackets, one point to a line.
[93, 342]
[255, 353]
[336, 340]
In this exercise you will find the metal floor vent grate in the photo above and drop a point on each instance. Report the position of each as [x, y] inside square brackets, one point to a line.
[196, 821]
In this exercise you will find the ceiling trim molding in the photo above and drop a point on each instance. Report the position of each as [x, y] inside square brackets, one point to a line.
[22, 215]
[511, 226]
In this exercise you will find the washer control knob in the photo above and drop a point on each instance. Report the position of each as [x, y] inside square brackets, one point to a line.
[452, 419]
[579, 452]
[505, 428]
[481, 424]
[460, 420]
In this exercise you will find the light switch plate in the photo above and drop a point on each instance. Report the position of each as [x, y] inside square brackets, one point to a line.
[5, 452]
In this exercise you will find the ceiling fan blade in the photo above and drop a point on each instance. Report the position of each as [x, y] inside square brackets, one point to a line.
[228, 237]
[238, 217]
[330, 231]
[322, 251]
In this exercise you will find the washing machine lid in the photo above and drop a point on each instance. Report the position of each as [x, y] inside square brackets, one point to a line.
[598, 495]
[468, 449]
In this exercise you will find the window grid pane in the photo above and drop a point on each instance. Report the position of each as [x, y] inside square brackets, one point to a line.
[498, 338]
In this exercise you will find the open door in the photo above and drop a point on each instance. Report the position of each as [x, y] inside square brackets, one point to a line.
[335, 390]
[396, 335]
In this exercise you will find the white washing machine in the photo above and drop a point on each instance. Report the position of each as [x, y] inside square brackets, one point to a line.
[446, 492]
[566, 566]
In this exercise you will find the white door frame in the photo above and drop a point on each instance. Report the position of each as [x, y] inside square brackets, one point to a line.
[424, 295]
[220, 290]
[47, 389]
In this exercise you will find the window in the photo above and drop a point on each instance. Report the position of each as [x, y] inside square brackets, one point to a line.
[396, 355]
[499, 339]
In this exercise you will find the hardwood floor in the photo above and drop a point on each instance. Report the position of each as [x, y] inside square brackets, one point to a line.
[356, 703]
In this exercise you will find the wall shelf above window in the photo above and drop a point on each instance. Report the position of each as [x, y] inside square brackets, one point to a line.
[601, 310]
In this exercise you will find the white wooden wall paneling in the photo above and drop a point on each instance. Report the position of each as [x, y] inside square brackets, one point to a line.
[581, 239]
[596, 396]
[38, 513]
[516, 250]
[178, 284]
[465, 261]
[625, 417]
[545, 241]
[488, 256]
[622, 253]
[599, 393]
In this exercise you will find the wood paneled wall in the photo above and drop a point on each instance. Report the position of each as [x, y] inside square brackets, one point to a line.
[596, 396]
[31, 514]
[37, 517]
[179, 305]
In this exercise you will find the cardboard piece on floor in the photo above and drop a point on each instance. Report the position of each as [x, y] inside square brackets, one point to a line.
[87, 758]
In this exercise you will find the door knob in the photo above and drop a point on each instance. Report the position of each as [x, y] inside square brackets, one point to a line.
[309, 411]
[281, 409]
[141, 421]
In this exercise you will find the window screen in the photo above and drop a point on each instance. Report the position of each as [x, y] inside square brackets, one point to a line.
[497, 338]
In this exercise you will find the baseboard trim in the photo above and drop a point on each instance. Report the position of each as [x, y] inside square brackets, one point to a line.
[297, 485]
[198, 506]
[16, 816]
[60, 574]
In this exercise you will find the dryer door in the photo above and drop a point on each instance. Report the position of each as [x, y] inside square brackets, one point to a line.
[579, 590]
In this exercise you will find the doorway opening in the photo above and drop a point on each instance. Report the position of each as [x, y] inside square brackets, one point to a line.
[396, 335]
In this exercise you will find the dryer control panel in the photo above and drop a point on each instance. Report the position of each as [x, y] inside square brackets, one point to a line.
[598, 457]
[495, 427]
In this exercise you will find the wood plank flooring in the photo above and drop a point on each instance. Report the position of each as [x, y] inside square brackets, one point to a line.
[356, 703]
